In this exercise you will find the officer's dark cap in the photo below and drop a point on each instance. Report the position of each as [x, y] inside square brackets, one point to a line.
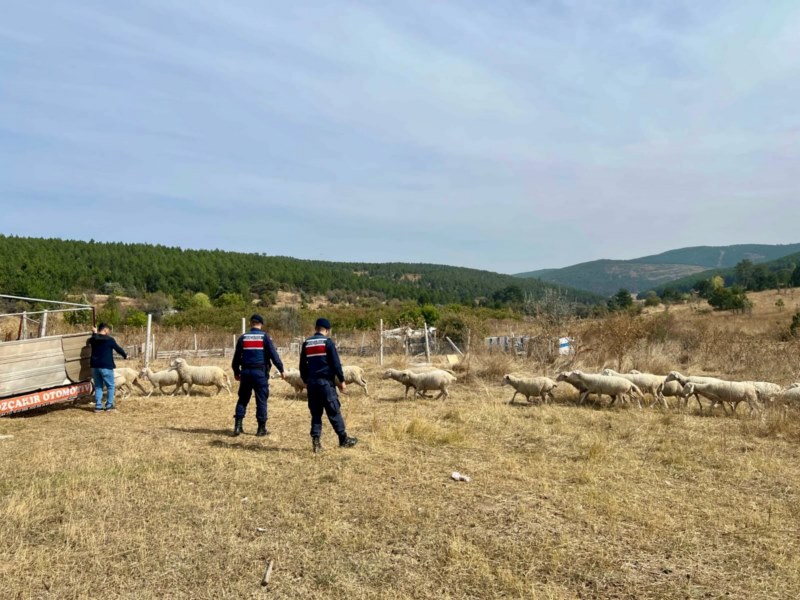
[323, 324]
[257, 319]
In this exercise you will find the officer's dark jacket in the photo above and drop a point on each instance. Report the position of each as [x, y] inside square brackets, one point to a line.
[255, 350]
[319, 359]
[103, 348]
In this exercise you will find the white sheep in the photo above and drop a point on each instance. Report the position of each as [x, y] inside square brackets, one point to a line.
[646, 382]
[610, 385]
[354, 375]
[121, 386]
[733, 392]
[791, 395]
[159, 379]
[436, 379]
[671, 389]
[684, 379]
[292, 377]
[128, 377]
[541, 387]
[206, 375]
[766, 390]
[397, 376]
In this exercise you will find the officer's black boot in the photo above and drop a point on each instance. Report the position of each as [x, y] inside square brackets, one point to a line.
[316, 445]
[262, 429]
[345, 441]
[237, 426]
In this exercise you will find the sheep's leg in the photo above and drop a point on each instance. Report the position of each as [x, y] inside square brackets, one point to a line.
[512, 397]
[139, 385]
[583, 397]
[189, 389]
[442, 393]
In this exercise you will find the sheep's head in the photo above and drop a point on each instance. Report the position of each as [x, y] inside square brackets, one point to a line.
[143, 373]
[672, 376]
[688, 389]
[607, 372]
[563, 376]
[389, 373]
[403, 376]
[506, 380]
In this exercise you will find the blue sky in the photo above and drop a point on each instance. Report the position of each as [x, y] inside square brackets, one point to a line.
[506, 135]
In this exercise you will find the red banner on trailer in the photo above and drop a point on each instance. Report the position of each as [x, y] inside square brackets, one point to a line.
[33, 400]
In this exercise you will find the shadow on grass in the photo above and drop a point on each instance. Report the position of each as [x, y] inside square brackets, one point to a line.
[237, 445]
[200, 430]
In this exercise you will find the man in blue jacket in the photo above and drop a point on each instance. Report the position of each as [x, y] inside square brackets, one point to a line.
[102, 363]
[251, 364]
[319, 365]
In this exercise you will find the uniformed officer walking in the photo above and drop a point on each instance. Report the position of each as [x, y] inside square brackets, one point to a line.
[251, 364]
[319, 365]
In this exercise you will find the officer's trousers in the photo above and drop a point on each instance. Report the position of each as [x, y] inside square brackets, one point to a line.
[253, 381]
[322, 397]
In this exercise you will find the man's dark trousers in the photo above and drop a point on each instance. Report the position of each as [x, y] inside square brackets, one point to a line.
[322, 397]
[253, 380]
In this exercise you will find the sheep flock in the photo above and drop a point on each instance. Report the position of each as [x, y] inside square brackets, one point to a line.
[575, 385]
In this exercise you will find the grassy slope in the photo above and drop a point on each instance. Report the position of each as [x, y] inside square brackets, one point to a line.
[159, 502]
[640, 274]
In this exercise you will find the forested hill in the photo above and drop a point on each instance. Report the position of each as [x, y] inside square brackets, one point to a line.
[49, 268]
[656, 271]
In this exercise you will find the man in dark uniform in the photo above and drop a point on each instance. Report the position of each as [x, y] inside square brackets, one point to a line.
[251, 363]
[319, 365]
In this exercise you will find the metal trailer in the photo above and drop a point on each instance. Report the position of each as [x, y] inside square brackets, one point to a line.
[41, 370]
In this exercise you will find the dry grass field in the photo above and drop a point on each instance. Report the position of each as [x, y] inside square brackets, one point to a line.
[158, 501]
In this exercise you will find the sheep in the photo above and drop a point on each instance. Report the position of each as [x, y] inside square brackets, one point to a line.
[684, 379]
[354, 375]
[671, 389]
[610, 385]
[128, 378]
[397, 376]
[427, 381]
[292, 377]
[766, 390]
[791, 395]
[541, 387]
[206, 375]
[160, 379]
[733, 392]
[644, 381]
[121, 385]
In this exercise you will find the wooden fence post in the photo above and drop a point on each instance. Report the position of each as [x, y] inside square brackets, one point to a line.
[147, 341]
[43, 325]
[427, 343]
[381, 355]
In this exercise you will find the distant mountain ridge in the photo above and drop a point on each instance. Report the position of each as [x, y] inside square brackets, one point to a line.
[606, 276]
